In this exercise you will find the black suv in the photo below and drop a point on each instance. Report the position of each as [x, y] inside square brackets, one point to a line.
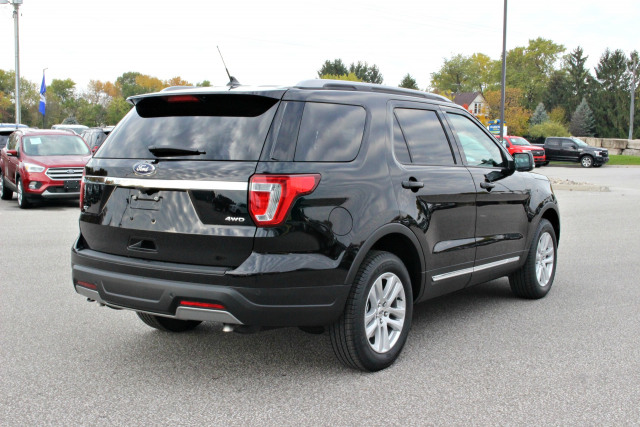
[325, 205]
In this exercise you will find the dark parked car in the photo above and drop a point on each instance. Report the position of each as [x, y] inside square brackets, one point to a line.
[567, 149]
[325, 205]
[94, 137]
[42, 165]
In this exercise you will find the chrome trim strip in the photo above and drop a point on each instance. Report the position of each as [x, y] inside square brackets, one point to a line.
[191, 313]
[452, 274]
[168, 184]
[47, 194]
[182, 313]
[474, 269]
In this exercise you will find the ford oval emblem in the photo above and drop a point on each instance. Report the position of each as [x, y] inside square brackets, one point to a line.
[143, 168]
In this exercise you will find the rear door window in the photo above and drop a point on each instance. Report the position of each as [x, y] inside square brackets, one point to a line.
[330, 132]
[224, 127]
[425, 137]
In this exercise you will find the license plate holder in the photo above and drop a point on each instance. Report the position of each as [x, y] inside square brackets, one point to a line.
[72, 186]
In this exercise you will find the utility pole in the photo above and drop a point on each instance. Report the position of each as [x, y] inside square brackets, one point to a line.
[633, 68]
[504, 71]
[16, 16]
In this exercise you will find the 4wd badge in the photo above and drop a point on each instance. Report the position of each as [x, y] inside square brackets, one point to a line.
[143, 168]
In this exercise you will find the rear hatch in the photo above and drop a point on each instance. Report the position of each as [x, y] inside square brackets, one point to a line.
[171, 182]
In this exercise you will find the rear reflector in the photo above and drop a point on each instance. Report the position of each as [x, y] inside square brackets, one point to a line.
[198, 304]
[271, 196]
[87, 285]
[84, 172]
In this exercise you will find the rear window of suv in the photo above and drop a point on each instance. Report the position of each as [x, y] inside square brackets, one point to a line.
[225, 127]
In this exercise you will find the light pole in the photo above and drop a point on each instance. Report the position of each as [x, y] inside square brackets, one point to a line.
[16, 15]
[504, 70]
[634, 69]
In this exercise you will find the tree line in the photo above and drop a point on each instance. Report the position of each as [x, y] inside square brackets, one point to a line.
[548, 91]
[102, 103]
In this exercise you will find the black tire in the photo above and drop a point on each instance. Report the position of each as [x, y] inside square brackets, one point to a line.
[348, 335]
[586, 161]
[545, 163]
[5, 192]
[167, 324]
[530, 281]
[23, 202]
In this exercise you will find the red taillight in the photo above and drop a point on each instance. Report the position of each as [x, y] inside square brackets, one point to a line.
[271, 196]
[87, 285]
[198, 304]
[84, 171]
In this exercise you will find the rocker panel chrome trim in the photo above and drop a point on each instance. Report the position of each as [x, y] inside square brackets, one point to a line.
[474, 269]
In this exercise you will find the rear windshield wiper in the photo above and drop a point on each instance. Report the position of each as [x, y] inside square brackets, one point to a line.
[173, 151]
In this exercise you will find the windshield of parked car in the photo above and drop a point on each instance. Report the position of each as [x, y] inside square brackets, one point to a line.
[580, 143]
[3, 140]
[54, 145]
[519, 141]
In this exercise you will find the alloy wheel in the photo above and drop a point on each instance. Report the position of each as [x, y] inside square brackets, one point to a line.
[545, 259]
[385, 312]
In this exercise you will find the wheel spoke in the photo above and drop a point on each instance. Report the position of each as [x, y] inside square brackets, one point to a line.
[396, 325]
[384, 344]
[371, 328]
[378, 291]
[397, 312]
[369, 317]
[393, 294]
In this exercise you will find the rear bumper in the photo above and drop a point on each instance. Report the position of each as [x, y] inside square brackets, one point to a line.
[159, 288]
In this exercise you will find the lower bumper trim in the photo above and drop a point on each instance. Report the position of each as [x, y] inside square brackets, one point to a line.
[182, 313]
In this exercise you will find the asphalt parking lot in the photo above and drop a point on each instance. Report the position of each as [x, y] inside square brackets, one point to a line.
[477, 357]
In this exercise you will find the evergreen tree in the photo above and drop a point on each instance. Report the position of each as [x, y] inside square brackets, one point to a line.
[609, 95]
[582, 121]
[578, 76]
[558, 92]
[335, 67]
[539, 115]
[366, 73]
[409, 82]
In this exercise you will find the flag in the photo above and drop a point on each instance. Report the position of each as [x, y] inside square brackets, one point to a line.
[43, 101]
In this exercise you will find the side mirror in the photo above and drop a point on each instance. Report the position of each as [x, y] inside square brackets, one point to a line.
[12, 153]
[524, 161]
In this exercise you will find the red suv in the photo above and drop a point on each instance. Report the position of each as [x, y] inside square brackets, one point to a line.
[42, 164]
[517, 144]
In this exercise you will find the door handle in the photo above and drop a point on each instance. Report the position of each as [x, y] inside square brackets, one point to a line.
[412, 185]
[487, 185]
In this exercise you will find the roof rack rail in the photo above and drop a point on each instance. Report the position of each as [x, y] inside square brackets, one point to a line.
[366, 87]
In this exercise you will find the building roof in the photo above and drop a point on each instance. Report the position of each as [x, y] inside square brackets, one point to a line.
[466, 98]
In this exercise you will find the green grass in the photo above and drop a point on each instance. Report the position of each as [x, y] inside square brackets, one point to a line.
[624, 160]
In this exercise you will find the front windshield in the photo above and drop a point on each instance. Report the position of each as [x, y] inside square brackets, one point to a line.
[3, 140]
[519, 141]
[54, 145]
[580, 143]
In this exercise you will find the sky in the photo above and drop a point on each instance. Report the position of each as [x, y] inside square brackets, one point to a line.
[284, 42]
